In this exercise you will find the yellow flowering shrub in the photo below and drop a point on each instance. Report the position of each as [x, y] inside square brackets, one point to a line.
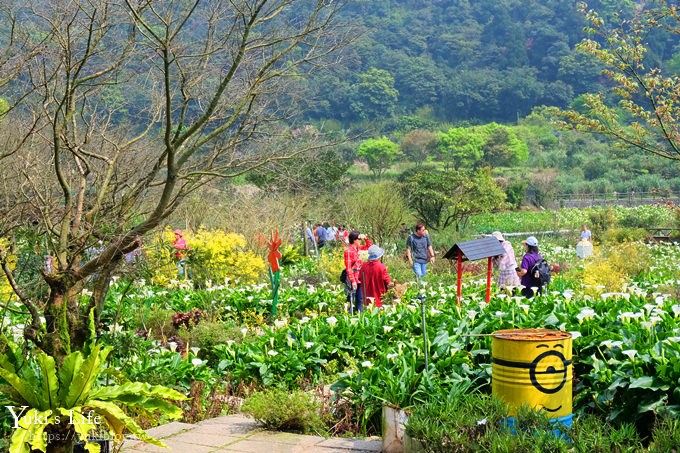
[599, 276]
[6, 292]
[213, 255]
[622, 262]
[331, 263]
[631, 258]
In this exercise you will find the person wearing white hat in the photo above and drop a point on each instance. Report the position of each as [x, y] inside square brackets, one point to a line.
[374, 277]
[530, 258]
[506, 263]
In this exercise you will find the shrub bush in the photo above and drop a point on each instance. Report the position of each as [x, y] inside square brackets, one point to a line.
[601, 220]
[456, 424]
[277, 409]
[600, 276]
[622, 235]
[630, 259]
[207, 335]
[213, 255]
[156, 323]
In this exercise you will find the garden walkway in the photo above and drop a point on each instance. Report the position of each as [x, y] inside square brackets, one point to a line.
[235, 433]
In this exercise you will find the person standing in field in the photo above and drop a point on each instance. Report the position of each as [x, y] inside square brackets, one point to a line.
[180, 246]
[506, 263]
[353, 265]
[374, 276]
[419, 251]
[531, 257]
[331, 233]
[320, 236]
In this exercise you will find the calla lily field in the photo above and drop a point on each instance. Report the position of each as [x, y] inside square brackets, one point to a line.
[625, 333]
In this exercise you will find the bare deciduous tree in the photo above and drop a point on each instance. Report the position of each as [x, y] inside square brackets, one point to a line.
[124, 108]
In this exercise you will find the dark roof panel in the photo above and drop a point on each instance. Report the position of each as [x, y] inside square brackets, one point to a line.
[476, 249]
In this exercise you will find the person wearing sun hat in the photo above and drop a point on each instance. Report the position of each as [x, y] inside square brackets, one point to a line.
[506, 263]
[531, 257]
[374, 277]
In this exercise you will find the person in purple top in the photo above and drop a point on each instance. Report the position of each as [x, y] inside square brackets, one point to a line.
[531, 257]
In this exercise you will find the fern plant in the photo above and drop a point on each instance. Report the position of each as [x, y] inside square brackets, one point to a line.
[54, 404]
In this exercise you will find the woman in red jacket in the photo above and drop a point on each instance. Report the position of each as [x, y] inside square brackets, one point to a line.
[353, 267]
[374, 276]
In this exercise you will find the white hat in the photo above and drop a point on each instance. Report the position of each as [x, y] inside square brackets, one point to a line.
[532, 241]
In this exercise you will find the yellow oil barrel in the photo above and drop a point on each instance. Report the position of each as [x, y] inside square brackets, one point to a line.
[534, 367]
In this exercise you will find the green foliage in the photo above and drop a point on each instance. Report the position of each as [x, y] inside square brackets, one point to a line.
[373, 96]
[290, 254]
[515, 193]
[461, 146]
[69, 392]
[618, 235]
[207, 334]
[418, 145]
[601, 220]
[278, 409]
[591, 433]
[492, 145]
[377, 210]
[666, 435]
[443, 198]
[643, 217]
[379, 153]
[503, 147]
[156, 321]
[456, 424]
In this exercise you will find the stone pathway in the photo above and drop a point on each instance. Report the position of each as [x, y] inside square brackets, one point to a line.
[236, 433]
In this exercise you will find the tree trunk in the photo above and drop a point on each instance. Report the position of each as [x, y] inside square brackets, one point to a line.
[66, 327]
[56, 341]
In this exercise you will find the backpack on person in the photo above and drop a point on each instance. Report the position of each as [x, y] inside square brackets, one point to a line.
[540, 272]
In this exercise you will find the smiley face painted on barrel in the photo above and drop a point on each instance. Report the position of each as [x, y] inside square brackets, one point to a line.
[548, 373]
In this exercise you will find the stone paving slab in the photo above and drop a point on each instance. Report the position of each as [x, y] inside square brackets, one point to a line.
[238, 434]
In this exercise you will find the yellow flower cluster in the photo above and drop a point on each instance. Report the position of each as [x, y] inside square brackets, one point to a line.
[213, 255]
[622, 262]
[331, 263]
[6, 292]
[600, 276]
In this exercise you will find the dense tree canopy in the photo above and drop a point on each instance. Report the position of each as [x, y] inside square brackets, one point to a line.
[443, 198]
[481, 61]
[378, 153]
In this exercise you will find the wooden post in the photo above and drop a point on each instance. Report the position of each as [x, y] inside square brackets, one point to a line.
[488, 281]
[460, 276]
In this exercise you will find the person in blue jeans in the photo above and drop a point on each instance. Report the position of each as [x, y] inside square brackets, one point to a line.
[419, 250]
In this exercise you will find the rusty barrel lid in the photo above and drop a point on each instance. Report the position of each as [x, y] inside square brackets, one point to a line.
[531, 335]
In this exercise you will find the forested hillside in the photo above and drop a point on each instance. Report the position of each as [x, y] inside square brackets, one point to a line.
[467, 60]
